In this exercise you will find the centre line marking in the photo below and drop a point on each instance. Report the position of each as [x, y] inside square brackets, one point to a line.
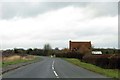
[54, 70]
[56, 74]
[53, 65]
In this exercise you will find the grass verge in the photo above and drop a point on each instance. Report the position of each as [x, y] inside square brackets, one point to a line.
[113, 73]
[5, 64]
[0, 64]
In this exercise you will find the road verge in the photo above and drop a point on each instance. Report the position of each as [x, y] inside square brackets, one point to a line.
[18, 64]
[113, 73]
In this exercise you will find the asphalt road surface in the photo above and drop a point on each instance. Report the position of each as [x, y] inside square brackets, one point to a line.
[51, 68]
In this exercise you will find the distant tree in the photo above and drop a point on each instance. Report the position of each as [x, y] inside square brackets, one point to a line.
[38, 52]
[47, 49]
[65, 50]
[107, 52]
[29, 51]
[56, 48]
[15, 50]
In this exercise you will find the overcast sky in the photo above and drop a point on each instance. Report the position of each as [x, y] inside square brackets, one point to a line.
[32, 24]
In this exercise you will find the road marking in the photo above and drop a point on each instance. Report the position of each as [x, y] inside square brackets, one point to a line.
[53, 65]
[56, 74]
[54, 70]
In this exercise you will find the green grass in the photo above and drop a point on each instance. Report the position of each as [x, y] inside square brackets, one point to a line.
[113, 73]
[16, 62]
[13, 62]
[0, 64]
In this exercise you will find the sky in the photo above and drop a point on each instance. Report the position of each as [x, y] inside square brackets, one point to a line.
[32, 24]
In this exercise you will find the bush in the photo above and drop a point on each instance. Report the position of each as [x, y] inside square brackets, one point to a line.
[70, 55]
[114, 62]
[90, 58]
[104, 61]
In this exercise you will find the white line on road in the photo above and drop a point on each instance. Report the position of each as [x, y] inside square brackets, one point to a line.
[56, 74]
[54, 70]
[53, 65]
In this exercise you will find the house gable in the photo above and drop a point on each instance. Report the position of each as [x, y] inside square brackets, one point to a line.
[80, 46]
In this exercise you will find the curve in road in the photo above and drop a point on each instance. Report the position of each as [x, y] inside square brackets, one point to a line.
[52, 68]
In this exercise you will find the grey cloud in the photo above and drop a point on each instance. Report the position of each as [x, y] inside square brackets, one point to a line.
[105, 8]
[29, 9]
[96, 32]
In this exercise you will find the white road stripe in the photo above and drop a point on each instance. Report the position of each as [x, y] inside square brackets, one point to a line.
[53, 63]
[52, 67]
[54, 70]
[55, 73]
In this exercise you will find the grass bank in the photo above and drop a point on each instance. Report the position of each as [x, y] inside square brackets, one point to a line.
[0, 64]
[113, 73]
[7, 63]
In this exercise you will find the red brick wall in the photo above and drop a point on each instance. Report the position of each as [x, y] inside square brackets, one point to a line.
[80, 46]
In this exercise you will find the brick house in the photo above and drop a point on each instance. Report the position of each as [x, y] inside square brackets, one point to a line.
[83, 47]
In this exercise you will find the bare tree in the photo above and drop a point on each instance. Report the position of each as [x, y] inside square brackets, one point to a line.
[47, 49]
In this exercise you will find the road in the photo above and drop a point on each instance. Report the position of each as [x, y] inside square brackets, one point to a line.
[51, 68]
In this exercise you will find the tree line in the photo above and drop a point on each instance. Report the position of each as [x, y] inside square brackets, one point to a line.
[47, 51]
[109, 59]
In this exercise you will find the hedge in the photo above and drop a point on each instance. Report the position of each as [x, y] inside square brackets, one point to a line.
[70, 55]
[104, 60]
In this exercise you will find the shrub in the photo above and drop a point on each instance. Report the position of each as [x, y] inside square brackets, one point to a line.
[70, 55]
[114, 62]
[104, 61]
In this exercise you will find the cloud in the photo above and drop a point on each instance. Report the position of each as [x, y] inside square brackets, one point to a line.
[59, 1]
[31, 9]
[58, 26]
